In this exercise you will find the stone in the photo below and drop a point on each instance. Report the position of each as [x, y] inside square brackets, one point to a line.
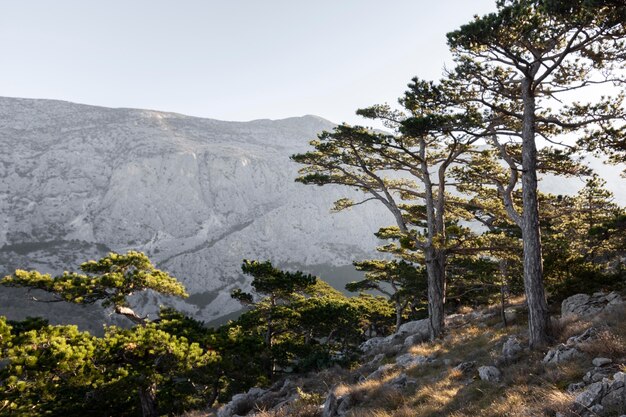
[241, 404]
[414, 327]
[511, 348]
[583, 305]
[489, 373]
[591, 395]
[561, 353]
[577, 386]
[597, 374]
[465, 367]
[408, 360]
[371, 344]
[601, 361]
[376, 359]
[402, 381]
[414, 339]
[586, 336]
[380, 372]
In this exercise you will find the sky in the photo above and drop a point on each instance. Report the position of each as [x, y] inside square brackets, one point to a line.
[229, 60]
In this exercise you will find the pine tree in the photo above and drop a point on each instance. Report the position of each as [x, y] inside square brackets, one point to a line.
[520, 63]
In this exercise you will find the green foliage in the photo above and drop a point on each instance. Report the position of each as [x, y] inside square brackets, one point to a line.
[109, 280]
[50, 372]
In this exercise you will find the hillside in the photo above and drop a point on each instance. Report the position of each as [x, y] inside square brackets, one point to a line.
[480, 368]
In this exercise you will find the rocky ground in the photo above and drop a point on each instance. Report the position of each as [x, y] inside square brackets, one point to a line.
[480, 367]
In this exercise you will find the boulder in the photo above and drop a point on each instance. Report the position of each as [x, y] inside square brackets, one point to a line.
[415, 327]
[489, 373]
[583, 305]
[465, 367]
[414, 339]
[371, 344]
[381, 371]
[568, 350]
[596, 375]
[591, 395]
[336, 406]
[408, 360]
[561, 353]
[511, 349]
[241, 404]
[598, 362]
[586, 336]
[605, 397]
[402, 381]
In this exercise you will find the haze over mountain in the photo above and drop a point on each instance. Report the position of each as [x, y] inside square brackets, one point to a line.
[197, 195]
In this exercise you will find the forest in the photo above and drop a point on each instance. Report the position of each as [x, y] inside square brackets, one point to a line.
[536, 86]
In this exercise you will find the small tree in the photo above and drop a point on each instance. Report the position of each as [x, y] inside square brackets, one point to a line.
[277, 289]
[400, 281]
[110, 281]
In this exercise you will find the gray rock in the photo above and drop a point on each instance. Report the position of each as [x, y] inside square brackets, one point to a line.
[402, 381]
[511, 348]
[586, 336]
[591, 395]
[241, 404]
[336, 406]
[371, 344]
[381, 371]
[330, 405]
[583, 305]
[489, 373]
[571, 388]
[414, 327]
[597, 374]
[561, 353]
[414, 339]
[601, 361]
[465, 367]
[408, 360]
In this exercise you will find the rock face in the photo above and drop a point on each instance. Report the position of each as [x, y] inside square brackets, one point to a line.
[197, 195]
[583, 305]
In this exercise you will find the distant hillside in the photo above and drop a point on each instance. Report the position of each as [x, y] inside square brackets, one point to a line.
[197, 195]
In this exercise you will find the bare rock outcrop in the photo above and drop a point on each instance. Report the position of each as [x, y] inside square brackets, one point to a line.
[583, 305]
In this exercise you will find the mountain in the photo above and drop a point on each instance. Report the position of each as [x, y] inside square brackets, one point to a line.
[197, 195]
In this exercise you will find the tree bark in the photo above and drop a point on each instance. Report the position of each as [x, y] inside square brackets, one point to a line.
[399, 310]
[435, 270]
[435, 256]
[147, 397]
[539, 318]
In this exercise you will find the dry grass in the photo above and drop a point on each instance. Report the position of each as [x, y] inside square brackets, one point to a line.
[528, 388]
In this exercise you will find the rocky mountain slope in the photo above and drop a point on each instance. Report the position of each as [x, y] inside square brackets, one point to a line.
[480, 368]
[197, 195]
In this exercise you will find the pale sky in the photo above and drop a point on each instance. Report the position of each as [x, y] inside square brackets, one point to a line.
[229, 60]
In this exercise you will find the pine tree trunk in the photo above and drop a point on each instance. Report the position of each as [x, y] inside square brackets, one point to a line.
[147, 397]
[399, 308]
[435, 258]
[538, 316]
[435, 270]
